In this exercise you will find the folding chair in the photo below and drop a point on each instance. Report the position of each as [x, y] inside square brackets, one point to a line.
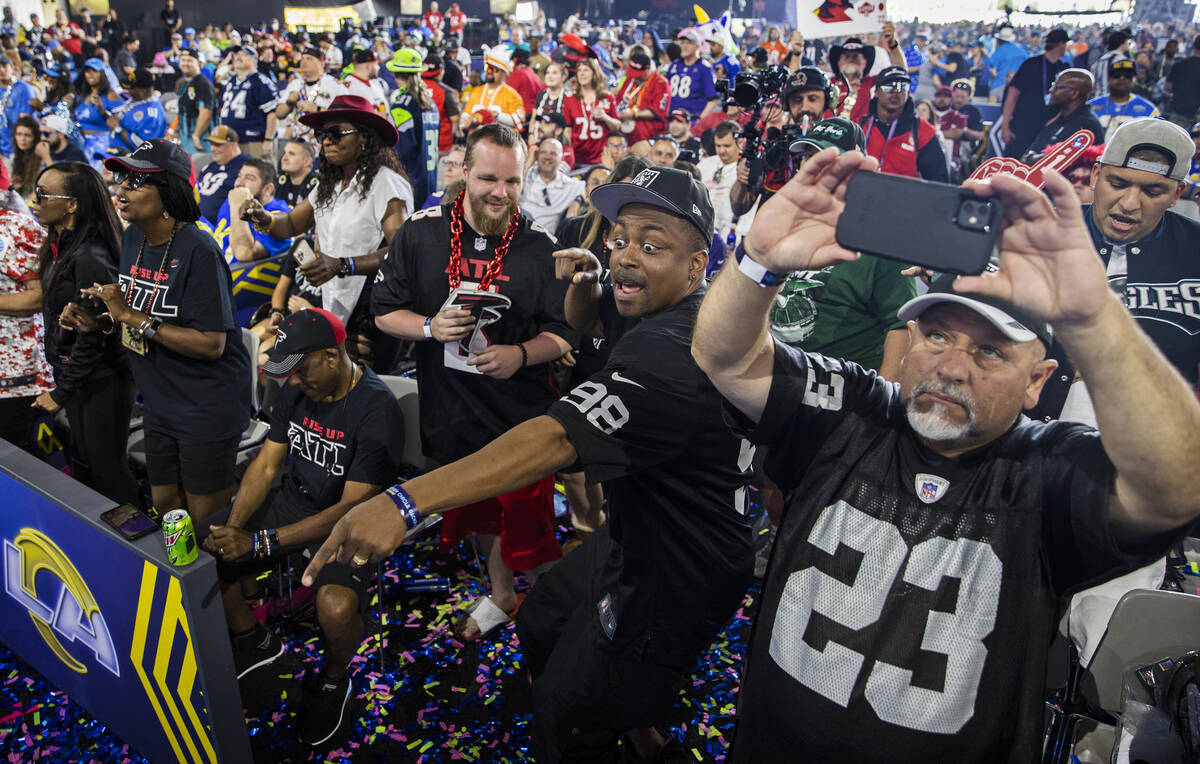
[1146, 626]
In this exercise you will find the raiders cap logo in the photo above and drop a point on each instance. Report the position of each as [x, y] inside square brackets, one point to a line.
[645, 177]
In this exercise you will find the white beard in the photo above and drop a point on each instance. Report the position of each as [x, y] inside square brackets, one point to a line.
[933, 425]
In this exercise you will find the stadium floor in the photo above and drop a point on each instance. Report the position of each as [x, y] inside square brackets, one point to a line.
[435, 700]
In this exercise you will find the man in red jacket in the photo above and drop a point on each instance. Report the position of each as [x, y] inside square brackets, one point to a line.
[903, 143]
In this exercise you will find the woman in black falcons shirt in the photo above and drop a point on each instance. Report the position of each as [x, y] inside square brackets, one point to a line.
[173, 309]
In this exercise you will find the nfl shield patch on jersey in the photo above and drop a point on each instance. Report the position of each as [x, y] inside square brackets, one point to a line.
[930, 488]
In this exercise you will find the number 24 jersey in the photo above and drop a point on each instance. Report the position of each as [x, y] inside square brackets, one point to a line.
[911, 598]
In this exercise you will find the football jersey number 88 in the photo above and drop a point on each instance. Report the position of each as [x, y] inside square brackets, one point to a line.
[681, 86]
[834, 670]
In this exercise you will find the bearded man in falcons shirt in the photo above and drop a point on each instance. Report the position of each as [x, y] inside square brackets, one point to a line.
[931, 529]
[485, 322]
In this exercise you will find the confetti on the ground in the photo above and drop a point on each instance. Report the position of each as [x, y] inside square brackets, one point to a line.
[432, 700]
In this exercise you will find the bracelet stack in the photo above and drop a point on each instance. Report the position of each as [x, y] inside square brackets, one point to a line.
[406, 505]
[266, 543]
[264, 229]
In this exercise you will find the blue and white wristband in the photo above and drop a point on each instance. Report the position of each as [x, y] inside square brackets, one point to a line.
[406, 505]
[755, 271]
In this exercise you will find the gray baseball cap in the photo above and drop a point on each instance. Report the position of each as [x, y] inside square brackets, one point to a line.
[1149, 133]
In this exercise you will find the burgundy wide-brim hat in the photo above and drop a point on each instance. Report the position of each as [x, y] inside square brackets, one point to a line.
[356, 109]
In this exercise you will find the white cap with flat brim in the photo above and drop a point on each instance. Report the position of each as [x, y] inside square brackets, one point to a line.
[1006, 324]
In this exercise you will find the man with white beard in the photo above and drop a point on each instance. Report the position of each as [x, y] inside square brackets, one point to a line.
[931, 529]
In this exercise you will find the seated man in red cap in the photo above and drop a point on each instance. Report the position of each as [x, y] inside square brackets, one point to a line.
[336, 438]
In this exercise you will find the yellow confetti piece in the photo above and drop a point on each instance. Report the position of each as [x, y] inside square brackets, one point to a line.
[697, 755]
[414, 744]
[427, 746]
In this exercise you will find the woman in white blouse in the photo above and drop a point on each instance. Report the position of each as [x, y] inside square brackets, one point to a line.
[361, 198]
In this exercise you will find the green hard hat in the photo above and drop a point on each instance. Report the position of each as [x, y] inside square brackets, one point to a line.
[406, 61]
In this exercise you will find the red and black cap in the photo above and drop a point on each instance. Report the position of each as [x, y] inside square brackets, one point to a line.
[157, 155]
[301, 333]
[666, 188]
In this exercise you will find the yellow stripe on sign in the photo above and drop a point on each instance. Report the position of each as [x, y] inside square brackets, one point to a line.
[138, 649]
[251, 287]
[187, 672]
[162, 660]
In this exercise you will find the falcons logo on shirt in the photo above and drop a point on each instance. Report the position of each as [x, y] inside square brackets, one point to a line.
[486, 308]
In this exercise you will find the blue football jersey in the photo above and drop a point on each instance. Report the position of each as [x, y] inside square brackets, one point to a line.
[245, 104]
[141, 122]
[691, 85]
[1112, 115]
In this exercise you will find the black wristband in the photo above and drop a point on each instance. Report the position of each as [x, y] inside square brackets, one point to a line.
[524, 355]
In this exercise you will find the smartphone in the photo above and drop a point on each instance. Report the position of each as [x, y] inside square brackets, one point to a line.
[917, 222]
[129, 521]
[303, 253]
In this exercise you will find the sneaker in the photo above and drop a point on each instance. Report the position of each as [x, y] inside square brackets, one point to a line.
[324, 709]
[255, 650]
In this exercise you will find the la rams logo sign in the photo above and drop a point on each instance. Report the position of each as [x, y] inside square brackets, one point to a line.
[59, 602]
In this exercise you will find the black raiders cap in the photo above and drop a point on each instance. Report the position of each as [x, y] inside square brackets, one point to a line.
[300, 334]
[666, 188]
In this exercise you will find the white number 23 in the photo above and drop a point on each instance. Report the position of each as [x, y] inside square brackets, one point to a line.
[834, 670]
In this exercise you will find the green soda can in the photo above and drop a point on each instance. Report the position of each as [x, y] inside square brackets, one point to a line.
[180, 536]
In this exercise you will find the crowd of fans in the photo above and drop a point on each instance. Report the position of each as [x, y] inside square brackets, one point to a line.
[460, 212]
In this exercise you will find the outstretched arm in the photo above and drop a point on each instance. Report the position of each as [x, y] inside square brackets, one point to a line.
[1149, 420]
[793, 230]
[373, 529]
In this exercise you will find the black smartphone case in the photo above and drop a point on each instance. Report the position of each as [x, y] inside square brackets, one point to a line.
[913, 221]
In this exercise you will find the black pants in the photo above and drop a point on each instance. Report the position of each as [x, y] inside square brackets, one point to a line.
[584, 697]
[99, 417]
[16, 421]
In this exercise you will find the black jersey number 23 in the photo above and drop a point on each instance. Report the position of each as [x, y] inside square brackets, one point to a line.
[834, 671]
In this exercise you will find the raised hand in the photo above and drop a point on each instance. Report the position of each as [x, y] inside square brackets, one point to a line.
[577, 265]
[1048, 266]
[794, 229]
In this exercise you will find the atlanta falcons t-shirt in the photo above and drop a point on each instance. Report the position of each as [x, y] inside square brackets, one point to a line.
[190, 399]
[649, 426]
[461, 411]
[911, 598]
[692, 85]
[358, 438]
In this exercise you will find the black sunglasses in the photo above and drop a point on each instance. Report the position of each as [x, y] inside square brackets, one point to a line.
[132, 178]
[323, 134]
[40, 195]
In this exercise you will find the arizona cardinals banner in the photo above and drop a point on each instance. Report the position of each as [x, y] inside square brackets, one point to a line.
[839, 18]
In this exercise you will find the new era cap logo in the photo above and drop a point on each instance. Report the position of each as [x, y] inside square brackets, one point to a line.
[645, 177]
[695, 210]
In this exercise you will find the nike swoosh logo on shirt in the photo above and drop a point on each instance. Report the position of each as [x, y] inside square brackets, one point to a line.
[616, 376]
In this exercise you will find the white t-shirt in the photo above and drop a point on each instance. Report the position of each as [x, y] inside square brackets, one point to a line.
[350, 226]
[718, 179]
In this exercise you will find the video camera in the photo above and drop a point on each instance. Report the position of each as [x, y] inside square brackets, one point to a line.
[753, 91]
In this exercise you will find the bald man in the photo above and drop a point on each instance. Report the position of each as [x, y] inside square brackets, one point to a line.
[1069, 94]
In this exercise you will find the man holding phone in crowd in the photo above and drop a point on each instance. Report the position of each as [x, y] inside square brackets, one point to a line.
[932, 528]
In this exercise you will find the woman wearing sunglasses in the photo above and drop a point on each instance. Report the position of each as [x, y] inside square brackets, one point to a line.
[173, 312]
[362, 197]
[91, 374]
